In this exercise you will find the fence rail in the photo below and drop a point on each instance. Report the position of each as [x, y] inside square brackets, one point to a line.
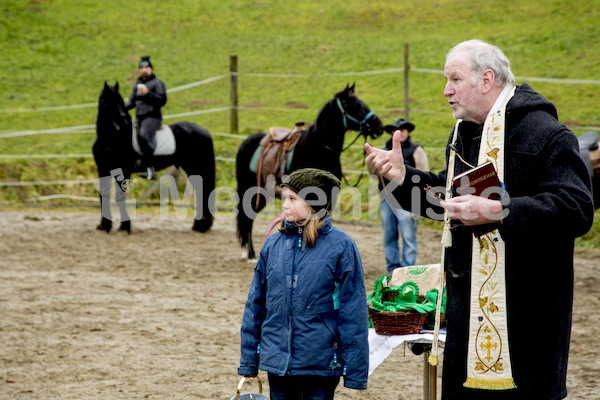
[232, 108]
[266, 75]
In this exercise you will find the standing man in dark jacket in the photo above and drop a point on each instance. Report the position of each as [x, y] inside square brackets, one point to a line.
[510, 291]
[149, 94]
[395, 220]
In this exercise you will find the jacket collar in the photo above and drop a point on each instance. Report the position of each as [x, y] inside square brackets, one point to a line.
[293, 228]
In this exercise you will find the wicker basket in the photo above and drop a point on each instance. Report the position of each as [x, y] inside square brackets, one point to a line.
[397, 323]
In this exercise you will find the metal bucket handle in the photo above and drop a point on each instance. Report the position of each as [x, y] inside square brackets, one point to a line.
[239, 388]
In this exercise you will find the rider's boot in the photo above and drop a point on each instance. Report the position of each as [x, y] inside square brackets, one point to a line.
[148, 171]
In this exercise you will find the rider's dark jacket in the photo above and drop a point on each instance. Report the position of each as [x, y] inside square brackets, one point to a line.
[150, 104]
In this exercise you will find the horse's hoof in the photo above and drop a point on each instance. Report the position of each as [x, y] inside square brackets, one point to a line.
[244, 256]
[248, 257]
[103, 226]
[125, 227]
[201, 225]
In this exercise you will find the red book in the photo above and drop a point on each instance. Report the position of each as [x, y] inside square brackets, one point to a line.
[475, 181]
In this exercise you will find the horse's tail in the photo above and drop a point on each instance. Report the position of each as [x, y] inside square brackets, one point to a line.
[246, 180]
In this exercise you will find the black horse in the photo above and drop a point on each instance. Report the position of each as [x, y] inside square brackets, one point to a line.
[116, 160]
[320, 147]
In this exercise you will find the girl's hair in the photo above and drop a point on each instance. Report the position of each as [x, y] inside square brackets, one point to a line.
[311, 226]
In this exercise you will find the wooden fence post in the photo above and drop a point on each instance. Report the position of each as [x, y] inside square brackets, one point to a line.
[233, 95]
[406, 74]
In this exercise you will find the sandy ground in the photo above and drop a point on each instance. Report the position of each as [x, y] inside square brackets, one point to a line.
[156, 314]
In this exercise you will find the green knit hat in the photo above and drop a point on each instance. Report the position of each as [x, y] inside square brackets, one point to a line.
[311, 184]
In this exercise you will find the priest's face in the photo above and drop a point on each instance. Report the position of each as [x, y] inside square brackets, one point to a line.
[463, 90]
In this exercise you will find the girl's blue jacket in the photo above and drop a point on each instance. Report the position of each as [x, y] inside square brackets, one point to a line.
[306, 312]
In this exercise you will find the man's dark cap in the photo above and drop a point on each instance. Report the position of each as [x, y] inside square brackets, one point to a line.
[399, 123]
[145, 62]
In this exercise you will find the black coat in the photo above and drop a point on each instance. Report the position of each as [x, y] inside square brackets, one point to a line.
[150, 104]
[550, 205]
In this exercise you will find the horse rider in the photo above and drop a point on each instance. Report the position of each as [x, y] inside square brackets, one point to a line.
[149, 94]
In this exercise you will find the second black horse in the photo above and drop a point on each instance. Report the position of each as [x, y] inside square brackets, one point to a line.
[320, 146]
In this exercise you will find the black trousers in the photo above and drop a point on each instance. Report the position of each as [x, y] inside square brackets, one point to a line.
[302, 387]
[147, 135]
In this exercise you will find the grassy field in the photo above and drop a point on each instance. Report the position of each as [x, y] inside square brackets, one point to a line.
[60, 52]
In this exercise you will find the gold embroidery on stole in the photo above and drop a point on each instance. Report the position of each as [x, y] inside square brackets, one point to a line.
[488, 358]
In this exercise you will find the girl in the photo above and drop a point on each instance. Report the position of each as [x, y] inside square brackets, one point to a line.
[305, 320]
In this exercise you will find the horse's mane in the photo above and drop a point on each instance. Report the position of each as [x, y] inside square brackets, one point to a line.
[113, 119]
[309, 136]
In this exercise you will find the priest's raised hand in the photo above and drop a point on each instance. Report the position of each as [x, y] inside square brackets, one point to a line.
[390, 163]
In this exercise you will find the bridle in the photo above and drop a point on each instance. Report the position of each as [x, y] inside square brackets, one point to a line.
[360, 124]
[347, 117]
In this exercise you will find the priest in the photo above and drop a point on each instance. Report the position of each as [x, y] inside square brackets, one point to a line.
[510, 290]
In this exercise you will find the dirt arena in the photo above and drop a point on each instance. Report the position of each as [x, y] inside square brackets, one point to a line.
[156, 314]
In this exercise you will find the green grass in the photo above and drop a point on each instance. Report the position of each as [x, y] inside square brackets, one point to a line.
[60, 52]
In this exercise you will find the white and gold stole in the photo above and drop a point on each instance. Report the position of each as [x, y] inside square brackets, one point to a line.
[488, 357]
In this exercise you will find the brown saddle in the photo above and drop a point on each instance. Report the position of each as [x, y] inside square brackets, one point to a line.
[275, 146]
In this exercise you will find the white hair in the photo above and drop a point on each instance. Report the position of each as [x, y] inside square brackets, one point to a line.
[482, 56]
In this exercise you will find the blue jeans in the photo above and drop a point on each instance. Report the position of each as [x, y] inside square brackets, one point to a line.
[394, 220]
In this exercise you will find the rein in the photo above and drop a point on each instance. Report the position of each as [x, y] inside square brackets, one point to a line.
[355, 139]
[346, 117]
[359, 178]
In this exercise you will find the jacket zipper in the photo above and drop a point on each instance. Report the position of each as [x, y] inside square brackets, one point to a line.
[334, 364]
[293, 283]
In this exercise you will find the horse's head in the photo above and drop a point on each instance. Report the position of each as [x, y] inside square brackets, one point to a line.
[112, 115]
[356, 114]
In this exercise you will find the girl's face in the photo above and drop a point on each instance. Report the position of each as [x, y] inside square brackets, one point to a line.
[294, 206]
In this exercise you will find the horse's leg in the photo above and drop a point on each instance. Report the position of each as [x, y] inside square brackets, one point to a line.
[125, 226]
[106, 220]
[248, 210]
[104, 185]
[247, 190]
[120, 188]
[245, 231]
[203, 188]
[125, 220]
[251, 253]
[246, 181]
